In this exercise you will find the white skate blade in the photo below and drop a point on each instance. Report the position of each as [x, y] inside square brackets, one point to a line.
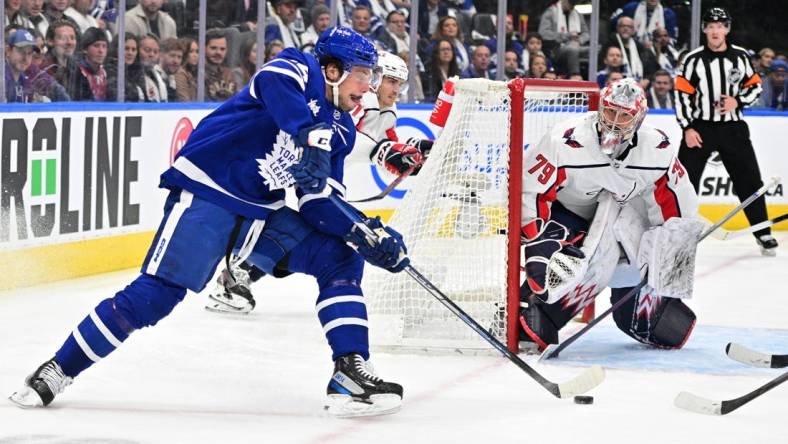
[768, 252]
[343, 406]
[233, 305]
[218, 307]
[26, 398]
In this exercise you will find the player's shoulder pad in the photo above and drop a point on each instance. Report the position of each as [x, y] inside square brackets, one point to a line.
[369, 101]
[656, 140]
[574, 133]
[694, 53]
[739, 49]
[294, 64]
[293, 54]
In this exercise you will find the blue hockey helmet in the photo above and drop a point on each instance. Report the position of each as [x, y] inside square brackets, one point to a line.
[347, 46]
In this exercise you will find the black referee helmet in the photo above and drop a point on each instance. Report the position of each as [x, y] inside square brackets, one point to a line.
[716, 14]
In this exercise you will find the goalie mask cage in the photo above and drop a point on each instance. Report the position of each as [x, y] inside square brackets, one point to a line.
[461, 217]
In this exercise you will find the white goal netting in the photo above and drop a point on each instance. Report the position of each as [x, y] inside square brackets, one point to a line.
[455, 222]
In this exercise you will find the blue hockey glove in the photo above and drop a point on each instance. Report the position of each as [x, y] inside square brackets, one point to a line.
[387, 252]
[314, 167]
[543, 240]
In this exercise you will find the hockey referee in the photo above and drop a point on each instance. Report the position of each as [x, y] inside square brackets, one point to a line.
[713, 85]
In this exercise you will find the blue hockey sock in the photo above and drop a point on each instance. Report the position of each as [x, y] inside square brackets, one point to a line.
[103, 330]
[343, 315]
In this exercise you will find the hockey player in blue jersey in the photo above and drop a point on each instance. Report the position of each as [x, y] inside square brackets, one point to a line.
[288, 127]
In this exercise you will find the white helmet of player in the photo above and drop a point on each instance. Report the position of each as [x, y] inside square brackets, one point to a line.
[622, 108]
[390, 65]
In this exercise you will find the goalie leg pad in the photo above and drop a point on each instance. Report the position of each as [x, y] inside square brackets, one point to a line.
[653, 320]
[536, 325]
[541, 322]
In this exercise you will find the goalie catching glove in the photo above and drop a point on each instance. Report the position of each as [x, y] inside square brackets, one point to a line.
[312, 170]
[388, 251]
[552, 263]
[396, 157]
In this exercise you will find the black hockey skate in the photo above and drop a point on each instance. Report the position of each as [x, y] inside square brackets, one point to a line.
[42, 386]
[232, 293]
[768, 245]
[355, 390]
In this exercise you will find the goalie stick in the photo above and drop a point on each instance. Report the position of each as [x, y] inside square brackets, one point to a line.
[726, 234]
[554, 350]
[582, 383]
[746, 355]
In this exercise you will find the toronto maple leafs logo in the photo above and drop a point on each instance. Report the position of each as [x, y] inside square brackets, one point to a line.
[273, 167]
[665, 141]
[569, 139]
[314, 107]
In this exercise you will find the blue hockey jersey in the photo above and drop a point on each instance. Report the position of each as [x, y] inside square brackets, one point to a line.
[237, 156]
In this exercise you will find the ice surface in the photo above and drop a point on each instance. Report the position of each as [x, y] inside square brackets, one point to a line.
[200, 377]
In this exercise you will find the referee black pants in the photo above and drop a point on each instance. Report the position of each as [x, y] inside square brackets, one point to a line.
[732, 141]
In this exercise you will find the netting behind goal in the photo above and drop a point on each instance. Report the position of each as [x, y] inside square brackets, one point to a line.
[460, 220]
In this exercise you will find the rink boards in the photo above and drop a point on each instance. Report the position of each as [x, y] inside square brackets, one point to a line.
[80, 181]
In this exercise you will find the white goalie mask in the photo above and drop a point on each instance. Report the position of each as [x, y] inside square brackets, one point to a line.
[389, 65]
[622, 108]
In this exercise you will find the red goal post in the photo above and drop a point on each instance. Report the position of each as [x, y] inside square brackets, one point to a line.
[520, 88]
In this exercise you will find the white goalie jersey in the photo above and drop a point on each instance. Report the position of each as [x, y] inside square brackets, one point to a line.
[623, 198]
[568, 166]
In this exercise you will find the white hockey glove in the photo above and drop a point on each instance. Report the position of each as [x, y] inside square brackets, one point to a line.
[388, 251]
[669, 250]
[396, 157]
[552, 262]
[312, 170]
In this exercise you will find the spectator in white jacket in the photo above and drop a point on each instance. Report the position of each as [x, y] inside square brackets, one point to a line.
[147, 18]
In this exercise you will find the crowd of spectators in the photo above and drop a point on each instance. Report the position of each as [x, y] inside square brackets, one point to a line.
[60, 50]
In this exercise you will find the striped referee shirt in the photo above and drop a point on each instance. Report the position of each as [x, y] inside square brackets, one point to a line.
[705, 76]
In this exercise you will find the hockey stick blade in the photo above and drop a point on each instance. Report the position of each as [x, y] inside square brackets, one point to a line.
[698, 404]
[582, 383]
[746, 355]
[390, 187]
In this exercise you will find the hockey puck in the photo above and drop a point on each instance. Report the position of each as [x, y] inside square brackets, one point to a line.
[584, 399]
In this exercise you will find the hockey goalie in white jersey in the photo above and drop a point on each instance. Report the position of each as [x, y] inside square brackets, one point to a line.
[605, 203]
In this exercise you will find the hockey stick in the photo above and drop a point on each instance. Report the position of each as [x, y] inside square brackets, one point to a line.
[746, 355]
[697, 404]
[391, 186]
[553, 350]
[726, 234]
[580, 384]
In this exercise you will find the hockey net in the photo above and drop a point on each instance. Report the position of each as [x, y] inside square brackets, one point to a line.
[461, 218]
